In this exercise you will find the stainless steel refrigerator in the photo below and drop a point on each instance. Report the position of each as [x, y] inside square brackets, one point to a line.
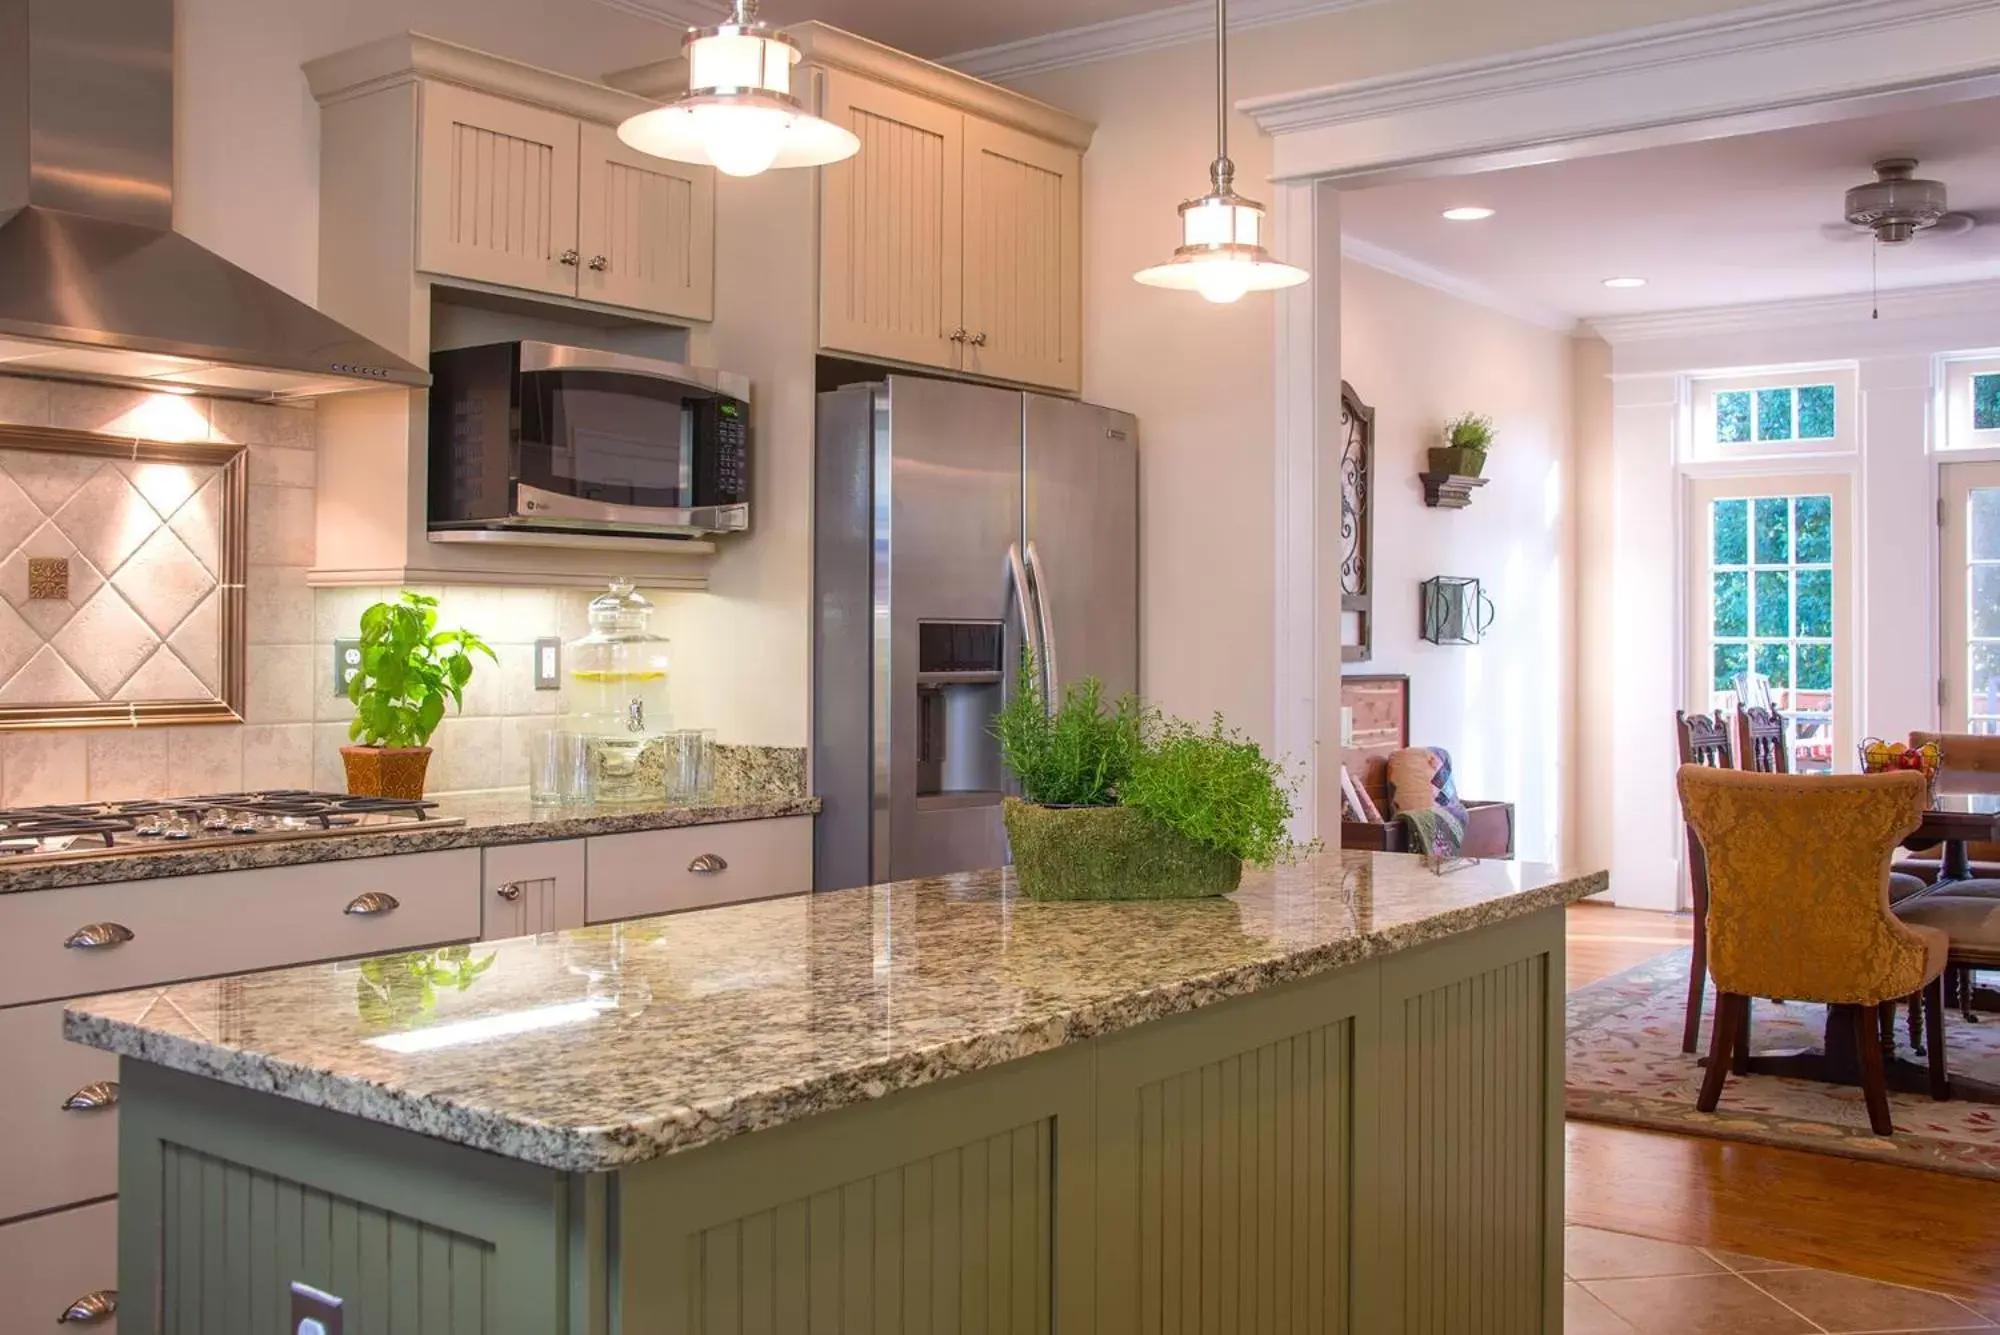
[954, 526]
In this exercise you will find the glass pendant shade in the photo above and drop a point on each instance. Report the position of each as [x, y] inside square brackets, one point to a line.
[739, 114]
[1221, 254]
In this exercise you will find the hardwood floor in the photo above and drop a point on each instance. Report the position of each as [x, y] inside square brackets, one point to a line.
[1904, 1225]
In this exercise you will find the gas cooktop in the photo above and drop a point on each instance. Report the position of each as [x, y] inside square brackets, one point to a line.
[105, 829]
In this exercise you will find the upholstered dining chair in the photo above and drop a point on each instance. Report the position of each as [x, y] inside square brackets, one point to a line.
[1798, 907]
[1703, 740]
[1963, 754]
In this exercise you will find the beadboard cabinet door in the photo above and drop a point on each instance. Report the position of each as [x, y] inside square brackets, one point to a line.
[645, 229]
[497, 191]
[892, 243]
[1023, 279]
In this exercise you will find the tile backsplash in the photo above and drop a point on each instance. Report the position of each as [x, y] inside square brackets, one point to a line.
[294, 725]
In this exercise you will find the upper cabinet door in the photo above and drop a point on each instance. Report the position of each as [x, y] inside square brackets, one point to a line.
[892, 243]
[497, 191]
[1023, 278]
[646, 228]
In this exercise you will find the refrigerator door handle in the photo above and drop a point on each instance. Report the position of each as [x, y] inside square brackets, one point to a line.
[1026, 602]
[1038, 576]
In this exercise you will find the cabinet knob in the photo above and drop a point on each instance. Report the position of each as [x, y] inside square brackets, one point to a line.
[92, 1308]
[97, 1094]
[510, 891]
[99, 936]
[372, 904]
[568, 257]
[978, 340]
[599, 263]
[708, 864]
[958, 336]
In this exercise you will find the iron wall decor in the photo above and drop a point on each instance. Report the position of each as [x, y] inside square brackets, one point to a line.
[1455, 610]
[1357, 526]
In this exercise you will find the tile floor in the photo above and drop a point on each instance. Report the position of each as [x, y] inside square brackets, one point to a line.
[1618, 1284]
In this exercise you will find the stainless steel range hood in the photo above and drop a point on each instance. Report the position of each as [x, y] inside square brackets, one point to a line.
[94, 282]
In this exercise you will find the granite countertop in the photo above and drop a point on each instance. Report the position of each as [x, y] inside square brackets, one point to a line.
[752, 783]
[603, 1046]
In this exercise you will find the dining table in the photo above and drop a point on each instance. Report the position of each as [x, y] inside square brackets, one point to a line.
[1965, 811]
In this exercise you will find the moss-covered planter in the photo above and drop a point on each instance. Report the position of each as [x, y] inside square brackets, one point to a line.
[1110, 853]
[1457, 460]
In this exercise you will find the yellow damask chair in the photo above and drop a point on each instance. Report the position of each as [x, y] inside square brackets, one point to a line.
[1798, 907]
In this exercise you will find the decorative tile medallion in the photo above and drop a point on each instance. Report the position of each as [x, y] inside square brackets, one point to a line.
[48, 578]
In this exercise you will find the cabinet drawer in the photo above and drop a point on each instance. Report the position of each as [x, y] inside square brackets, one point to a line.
[530, 888]
[55, 1155]
[231, 922]
[663, 871]
[50, 1262]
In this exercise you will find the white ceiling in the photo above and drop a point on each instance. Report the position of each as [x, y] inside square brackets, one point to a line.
[1724, 222]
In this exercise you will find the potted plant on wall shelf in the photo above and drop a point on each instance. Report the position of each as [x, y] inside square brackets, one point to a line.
[1119, 803]
[409, 668]
[1466, 438]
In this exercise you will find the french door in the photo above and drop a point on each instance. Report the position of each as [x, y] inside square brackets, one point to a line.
[1969, 597]
[1771, 607]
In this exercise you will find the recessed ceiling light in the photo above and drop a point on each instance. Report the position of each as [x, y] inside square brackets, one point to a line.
[1624, 282]
[1470, 213]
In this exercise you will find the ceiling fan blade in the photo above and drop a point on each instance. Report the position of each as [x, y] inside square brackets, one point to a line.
[1845, 231]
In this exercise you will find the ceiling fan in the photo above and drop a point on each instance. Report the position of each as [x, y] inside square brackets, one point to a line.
[1898, 207]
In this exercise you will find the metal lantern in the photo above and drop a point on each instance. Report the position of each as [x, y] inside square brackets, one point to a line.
[1455, 610]
[739, 113]
[1222, 253]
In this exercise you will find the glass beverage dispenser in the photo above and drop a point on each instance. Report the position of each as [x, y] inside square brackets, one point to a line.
[616, 697]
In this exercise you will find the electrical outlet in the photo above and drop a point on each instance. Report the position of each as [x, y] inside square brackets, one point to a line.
[548, 664]
[314, 1312]
[346, 663]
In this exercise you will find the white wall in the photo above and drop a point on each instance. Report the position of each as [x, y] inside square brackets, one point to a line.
[1895, 466]
[1502, 708]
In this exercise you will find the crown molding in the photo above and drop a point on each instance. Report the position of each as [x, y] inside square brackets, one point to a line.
[682, 14]
[1939, 301]
[1779, 24]
[409, 56]
[1453, 285]
[1177, 25]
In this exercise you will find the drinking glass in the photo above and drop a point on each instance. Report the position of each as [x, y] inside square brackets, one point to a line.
[690, 769]
[559, 770]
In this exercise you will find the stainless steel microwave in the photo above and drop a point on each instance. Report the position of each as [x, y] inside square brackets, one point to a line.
[554, 440]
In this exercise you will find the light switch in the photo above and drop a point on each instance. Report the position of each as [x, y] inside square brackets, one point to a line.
[346, 664]
[548, 664]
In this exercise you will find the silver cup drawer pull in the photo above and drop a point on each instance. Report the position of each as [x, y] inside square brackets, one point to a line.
[99, 936]
[708, 864]
[91, 1309]
[372, 905]
[510, 891]
[97, 1094]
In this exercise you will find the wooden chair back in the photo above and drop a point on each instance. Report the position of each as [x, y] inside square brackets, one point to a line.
[1703, 738]
[1760, 740]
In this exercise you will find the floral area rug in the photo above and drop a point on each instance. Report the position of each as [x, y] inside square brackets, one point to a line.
[1626, 1067]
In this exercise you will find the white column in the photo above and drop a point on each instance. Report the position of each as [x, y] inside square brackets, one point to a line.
[1897, 549]
[1306, 611]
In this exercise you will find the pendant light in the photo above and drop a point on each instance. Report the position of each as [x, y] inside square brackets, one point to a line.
[739, 113]
[1222, 253]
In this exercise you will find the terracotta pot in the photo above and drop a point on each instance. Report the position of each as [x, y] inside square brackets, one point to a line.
[386, 771]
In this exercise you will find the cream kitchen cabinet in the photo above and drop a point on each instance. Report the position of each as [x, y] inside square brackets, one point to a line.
[527, 889]
[951, 239]
[700, 866]
[521, 196]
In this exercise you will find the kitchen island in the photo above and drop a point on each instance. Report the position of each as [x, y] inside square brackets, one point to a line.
[1330, 1101]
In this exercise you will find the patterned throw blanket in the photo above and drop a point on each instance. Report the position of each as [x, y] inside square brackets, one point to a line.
[1436, 833]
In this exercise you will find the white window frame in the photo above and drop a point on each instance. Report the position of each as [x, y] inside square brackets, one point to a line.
[1703, 446]
[1959, 433]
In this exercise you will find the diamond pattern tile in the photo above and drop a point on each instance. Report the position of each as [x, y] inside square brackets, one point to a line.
[163, 582]
[47, 615]
[18, 642]
[19, 516]
[163, 677]
[165, 486]
[46, 680]
[198, 523]
[107, 519]
[105, 642]
[199, 643]
[49, 479]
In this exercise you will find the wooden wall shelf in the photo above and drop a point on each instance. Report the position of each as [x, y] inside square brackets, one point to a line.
[1448, 491]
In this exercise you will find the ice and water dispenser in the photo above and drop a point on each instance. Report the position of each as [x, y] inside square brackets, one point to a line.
[960, 684]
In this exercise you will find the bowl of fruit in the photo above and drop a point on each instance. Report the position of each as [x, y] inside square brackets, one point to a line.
[1880, 757]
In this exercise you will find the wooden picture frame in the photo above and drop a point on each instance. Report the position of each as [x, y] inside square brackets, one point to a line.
[1357, 525]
